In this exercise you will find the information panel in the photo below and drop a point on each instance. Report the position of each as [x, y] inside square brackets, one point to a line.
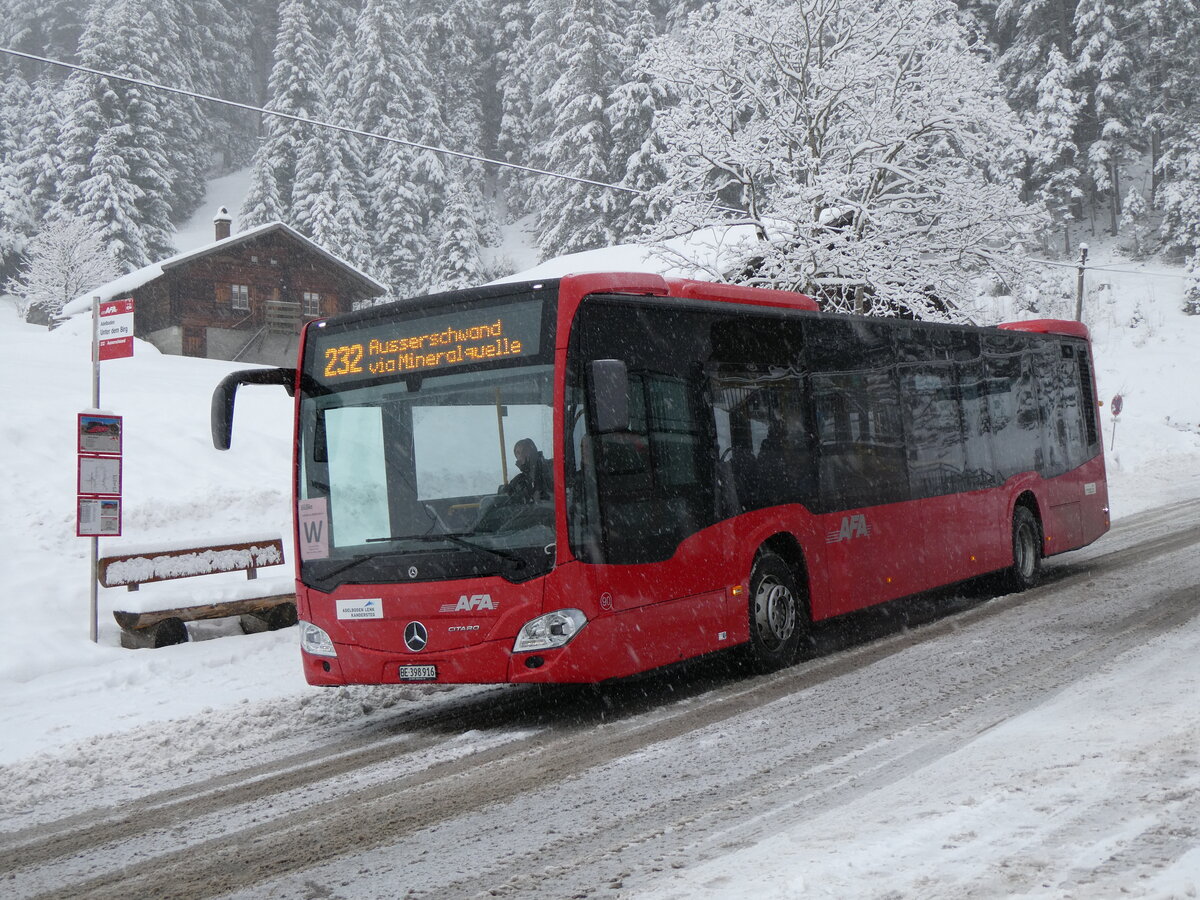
[101, 439]
[99, 433]
[99, 517]
[428, 343]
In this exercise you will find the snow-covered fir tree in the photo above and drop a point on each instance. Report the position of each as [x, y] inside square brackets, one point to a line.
[1134, 225]
[321, 192]
[16, 220]
[44, 28]
[1169, 90]
[633, 107]
[457, 262]
[16, 210]
[295, 89]
[1035, 35]
[1103, 61]
[109, 196]
[574, 216]
[452, 42]
[184, 126]
[521, 78]
[1191, 296]
[392, 97]
[1181, 199]
[1054, 173]
[342, 188]
[38, 161]
[116, 169]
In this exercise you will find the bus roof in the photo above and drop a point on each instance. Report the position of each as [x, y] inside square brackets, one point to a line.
[684, 288]
[1067, 327]
[688, 289]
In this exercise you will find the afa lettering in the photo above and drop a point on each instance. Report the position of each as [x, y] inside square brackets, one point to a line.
[852, 527]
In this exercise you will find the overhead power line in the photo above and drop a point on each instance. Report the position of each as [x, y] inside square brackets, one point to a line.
[459, 154]
[345, 129]
[1091, 268]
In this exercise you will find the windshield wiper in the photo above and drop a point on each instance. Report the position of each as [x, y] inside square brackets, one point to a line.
[348, 564]
[455, 538]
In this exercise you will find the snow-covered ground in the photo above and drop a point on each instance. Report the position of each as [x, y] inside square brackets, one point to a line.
[1083, 797]
[58, 689]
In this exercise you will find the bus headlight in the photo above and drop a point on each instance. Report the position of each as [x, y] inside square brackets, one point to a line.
[549, 631]
[314, 640]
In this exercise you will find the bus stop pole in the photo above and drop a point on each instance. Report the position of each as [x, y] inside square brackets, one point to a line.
[1083, 248]
[95, 539]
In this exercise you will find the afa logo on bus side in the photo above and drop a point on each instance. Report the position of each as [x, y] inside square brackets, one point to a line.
[852, 527]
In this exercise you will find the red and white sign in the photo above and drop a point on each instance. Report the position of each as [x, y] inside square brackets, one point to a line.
[1116, 405]
[116, 329]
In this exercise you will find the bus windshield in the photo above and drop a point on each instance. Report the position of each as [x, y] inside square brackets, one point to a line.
[446, 474]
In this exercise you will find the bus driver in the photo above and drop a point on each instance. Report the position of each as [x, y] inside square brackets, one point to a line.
[534, 481]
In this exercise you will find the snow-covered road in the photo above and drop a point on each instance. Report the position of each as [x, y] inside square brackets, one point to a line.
[1041, 744]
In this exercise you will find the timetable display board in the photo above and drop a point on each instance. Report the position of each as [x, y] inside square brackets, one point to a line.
[98, 474]
[426, 344]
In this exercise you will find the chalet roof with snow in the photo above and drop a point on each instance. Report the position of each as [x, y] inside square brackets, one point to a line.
[131, 281]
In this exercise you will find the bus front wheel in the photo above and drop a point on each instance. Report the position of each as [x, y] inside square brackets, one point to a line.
[776, 614]
[1027, 550]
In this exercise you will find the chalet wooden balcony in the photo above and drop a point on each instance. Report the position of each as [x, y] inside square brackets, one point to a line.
[282, 317]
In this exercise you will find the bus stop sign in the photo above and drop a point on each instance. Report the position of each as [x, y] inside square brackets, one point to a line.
[116, 329]
[1116, 405]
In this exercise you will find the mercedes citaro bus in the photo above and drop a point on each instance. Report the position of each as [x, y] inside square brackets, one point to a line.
[721, 466]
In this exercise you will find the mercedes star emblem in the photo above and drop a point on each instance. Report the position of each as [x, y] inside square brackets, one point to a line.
[415, 636]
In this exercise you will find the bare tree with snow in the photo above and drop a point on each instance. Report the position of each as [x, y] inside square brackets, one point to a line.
[870, 149]
[63, 261]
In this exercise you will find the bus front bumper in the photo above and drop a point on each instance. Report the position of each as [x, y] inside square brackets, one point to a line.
[492, 662]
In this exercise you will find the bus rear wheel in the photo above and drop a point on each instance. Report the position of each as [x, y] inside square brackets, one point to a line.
[1027, 550]
[777, 614]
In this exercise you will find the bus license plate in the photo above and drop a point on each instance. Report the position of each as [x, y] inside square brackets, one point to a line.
[418, 673]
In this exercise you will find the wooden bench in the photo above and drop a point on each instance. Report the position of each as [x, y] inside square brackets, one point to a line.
[159, 622]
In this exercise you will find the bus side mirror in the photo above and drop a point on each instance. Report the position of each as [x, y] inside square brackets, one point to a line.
[609, 386]
[225, 392]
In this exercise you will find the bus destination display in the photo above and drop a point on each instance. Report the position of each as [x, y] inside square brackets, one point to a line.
[430, 343]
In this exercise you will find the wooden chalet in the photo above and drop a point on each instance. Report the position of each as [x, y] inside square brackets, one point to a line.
[243, 297]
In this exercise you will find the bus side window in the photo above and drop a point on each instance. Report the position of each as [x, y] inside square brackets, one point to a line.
[764, 438]
[860, 436]
[1050, 409]
[1071, 409]
[1087, 403]
[929, 392]
[1012, 405]
[980, 461]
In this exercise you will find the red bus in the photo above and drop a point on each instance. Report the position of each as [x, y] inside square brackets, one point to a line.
[584, 478]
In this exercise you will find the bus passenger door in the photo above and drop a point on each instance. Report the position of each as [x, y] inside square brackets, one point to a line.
[653, 492]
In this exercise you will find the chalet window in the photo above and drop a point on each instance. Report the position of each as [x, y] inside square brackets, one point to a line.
[240, 296]
[312, 303]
